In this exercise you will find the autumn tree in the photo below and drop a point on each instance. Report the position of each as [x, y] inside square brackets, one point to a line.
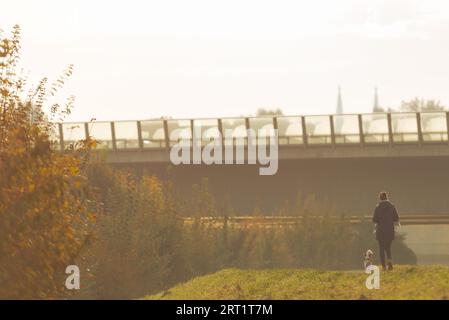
[418, 105]
[269, 112]
[415, 105]
[45, 213]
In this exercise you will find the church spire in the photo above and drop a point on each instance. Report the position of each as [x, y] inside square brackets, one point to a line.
[376, 106]
[339, 102]
[338, 123]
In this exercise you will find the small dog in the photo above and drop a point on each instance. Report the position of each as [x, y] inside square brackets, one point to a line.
[368, 258]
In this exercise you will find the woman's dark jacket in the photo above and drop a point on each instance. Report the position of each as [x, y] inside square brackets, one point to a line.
[385, 216]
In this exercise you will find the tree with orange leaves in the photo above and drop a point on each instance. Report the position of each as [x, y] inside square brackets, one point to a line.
[46, 215]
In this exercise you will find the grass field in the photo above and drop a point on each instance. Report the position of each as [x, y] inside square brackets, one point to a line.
[405, 282]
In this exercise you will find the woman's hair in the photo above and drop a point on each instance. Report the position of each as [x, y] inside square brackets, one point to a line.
[383, 195]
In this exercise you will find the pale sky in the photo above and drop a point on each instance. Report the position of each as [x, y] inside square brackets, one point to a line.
[186, 59]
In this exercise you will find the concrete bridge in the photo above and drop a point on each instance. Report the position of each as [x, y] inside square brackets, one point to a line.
[344, 160]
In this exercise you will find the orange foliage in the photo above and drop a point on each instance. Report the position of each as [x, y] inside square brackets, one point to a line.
[45, 213]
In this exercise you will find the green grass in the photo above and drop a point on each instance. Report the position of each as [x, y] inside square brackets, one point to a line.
[404, 282]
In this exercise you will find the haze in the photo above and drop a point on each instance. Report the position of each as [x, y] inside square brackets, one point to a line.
[146, 59]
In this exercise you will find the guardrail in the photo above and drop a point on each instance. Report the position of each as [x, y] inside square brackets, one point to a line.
[315, 130]
[292, 220]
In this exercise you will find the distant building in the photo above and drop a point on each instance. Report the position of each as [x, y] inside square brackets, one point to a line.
[339, 102]
[339, 120]
[376, 106]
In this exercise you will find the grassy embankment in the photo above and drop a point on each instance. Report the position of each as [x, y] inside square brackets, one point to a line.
[405, 282]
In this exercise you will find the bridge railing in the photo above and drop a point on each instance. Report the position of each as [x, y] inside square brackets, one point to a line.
[315, 130]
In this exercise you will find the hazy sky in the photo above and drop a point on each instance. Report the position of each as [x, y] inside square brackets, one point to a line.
[144, 59]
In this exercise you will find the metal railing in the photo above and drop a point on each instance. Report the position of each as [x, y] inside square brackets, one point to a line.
[307, 131]
[423, 219]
